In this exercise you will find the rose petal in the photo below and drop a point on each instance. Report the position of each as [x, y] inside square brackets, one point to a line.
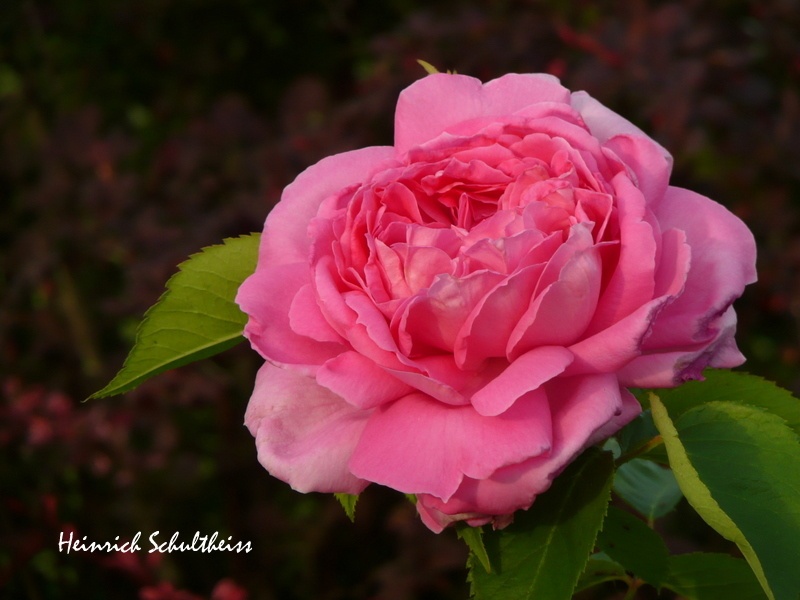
[670, 367]
[561, 312]
[305, 317]
[305, 434]
[285, 238]
[432, 322]
[434, 103]
[268, 328]
[486, 330]
[525, 374]
[581, 406]
[419, 445]
[650, 163]
[360, 381]
[723, 256]
[632, 283]
[614, 347]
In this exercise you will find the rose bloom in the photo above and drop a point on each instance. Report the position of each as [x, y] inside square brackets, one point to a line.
[459, 315]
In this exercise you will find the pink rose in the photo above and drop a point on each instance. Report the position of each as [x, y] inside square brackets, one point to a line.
[457, 316]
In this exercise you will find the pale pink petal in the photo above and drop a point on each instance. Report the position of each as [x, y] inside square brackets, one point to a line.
[525, 374]
[605, 123]
[435, 103]
[360, 381]
[650, 163]
[267, 296]
[419, 445]
[285, 239]
[305, 434]
[723, 254]
[669, 367]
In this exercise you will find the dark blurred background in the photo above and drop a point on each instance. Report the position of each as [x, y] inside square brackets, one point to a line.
[134, 133]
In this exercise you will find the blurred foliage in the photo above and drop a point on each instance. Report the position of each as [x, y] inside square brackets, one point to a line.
[134, 133]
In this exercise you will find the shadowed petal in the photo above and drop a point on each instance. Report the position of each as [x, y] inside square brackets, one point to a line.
[305, 434]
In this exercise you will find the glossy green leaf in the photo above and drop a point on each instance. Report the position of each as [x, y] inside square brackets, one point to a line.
[473, 537]
[195, 318]
[648, 487]
[635, 546]
[734, 386]
[543, 553]
[706, 576]
[738, 467]
[600, 569]
[348, 502]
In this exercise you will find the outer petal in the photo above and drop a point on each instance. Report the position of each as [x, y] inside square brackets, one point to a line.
[419, 445]
[285, 238]
[305, 434]
[267, 297]
[722, 264]
[582, 407]
[434, 103]
[668, 368]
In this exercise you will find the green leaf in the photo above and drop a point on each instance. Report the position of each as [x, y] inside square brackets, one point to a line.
[473, 537]
[348, 502]
[543, 553]
[637, 433]
[195, 318]
[635, 546]
[600, 569]
[734, 386]
[738, 467]
[648, 487]
[701, 576]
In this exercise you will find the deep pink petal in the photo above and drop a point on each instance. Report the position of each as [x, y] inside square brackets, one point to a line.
[561, 312]
[432, 322]
[674, 264]
[525, 374]
[305, 434]
[285, 238]
[614, 347]
[633, 281]
[433, 104]
[486, 330]
[305, 317]
[360, 381]
[419, 445]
